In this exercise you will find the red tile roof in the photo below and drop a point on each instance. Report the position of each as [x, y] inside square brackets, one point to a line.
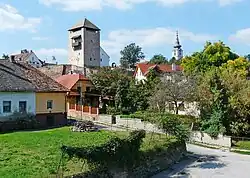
[70, 80]
[145, 66]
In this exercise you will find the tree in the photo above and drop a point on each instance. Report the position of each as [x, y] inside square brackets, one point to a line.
[122, 102]
[174, 61]
[106, 80]
[224, 101]
[213, 55]
[240, 65]
[5, 56]
[130, 55]
[158, 59]
[175, 88]
[138, 95]
[218, 121]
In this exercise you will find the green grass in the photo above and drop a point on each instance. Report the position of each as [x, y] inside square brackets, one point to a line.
[242, 145]
[37, 154]
[242, 152]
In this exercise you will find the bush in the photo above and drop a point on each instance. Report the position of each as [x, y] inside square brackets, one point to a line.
[173, 126]
[153, 117]
[18, 121]
[112, 111]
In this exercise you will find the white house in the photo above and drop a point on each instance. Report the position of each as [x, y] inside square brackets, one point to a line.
[11, 102]
[104, 58]
[27, 57]
[143, 68]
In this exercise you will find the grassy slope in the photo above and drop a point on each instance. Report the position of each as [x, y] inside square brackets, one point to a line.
[37, 154]
[243, 145]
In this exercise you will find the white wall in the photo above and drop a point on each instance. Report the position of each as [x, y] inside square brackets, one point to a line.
[139, 76]
[15, 97]
[191, 109]
[76, 57]
[34, 61]
[104, 58]
[200, 137]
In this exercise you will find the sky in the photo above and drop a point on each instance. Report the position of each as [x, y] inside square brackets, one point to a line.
[41, 25]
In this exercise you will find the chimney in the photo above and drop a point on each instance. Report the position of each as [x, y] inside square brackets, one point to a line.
[173, 67]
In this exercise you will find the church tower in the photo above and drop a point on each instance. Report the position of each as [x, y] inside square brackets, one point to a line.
[177, 51]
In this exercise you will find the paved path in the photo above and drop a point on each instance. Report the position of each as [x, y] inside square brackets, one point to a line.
[209, 163]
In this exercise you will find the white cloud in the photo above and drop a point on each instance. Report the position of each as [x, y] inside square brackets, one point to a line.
[47, 53]
[11, 19]
[40, 38]
[241, 36]
[149, 38]
[87, 5]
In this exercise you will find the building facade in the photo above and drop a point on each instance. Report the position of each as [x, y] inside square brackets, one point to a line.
[28, 57]
[105, 59]
[82, 97]
[84, 44]
[143, 68]
[11, 102]
[26, 90]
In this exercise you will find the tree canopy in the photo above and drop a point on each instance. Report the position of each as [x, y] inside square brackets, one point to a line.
[5, 56]
[106, 80]
[213, 55]
[130, 55]
[174, 88]
[158, 59]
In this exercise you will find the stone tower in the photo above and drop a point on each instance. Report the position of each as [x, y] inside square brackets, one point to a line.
[84, 44]
[177, 51]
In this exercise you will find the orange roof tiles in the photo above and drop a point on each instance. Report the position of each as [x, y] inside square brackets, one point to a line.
[70, 80]
[145, 66]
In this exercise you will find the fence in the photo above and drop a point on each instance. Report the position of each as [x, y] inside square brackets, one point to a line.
[84, 109]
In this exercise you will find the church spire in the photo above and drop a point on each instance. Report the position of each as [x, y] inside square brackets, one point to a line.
[177, 42]
[177, 51]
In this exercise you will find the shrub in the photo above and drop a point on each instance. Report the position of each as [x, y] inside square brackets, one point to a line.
[18, 121]
[173, 126]
[118, 152]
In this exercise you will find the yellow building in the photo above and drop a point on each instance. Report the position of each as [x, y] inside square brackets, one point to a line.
[81, 97]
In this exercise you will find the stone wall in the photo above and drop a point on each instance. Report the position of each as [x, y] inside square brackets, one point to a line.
[200, 137]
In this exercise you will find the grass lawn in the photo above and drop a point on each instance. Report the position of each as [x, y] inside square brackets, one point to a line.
[37, 154]
[242, 145]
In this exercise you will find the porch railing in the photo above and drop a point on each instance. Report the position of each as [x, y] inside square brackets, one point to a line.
[85, 109]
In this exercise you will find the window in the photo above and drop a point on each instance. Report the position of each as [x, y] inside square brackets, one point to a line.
[22, 106]
[79, 89]
[87, 89]
[33, 59]
[90, 59]
[49, 104]
[101, 59]
[6, 106]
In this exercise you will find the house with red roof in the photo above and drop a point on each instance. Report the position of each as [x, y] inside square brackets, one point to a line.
[82, 98]
[142, 69]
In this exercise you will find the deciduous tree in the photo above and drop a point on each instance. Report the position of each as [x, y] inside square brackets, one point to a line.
[130, 55]
[158, 59]
[175, 88]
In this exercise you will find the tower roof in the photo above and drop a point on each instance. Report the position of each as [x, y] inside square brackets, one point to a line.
[177, 42]
[84, 24]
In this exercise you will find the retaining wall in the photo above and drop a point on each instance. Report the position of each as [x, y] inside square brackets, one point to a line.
[200, 137]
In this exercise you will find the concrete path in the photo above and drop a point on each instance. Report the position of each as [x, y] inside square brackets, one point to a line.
[209, 163]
